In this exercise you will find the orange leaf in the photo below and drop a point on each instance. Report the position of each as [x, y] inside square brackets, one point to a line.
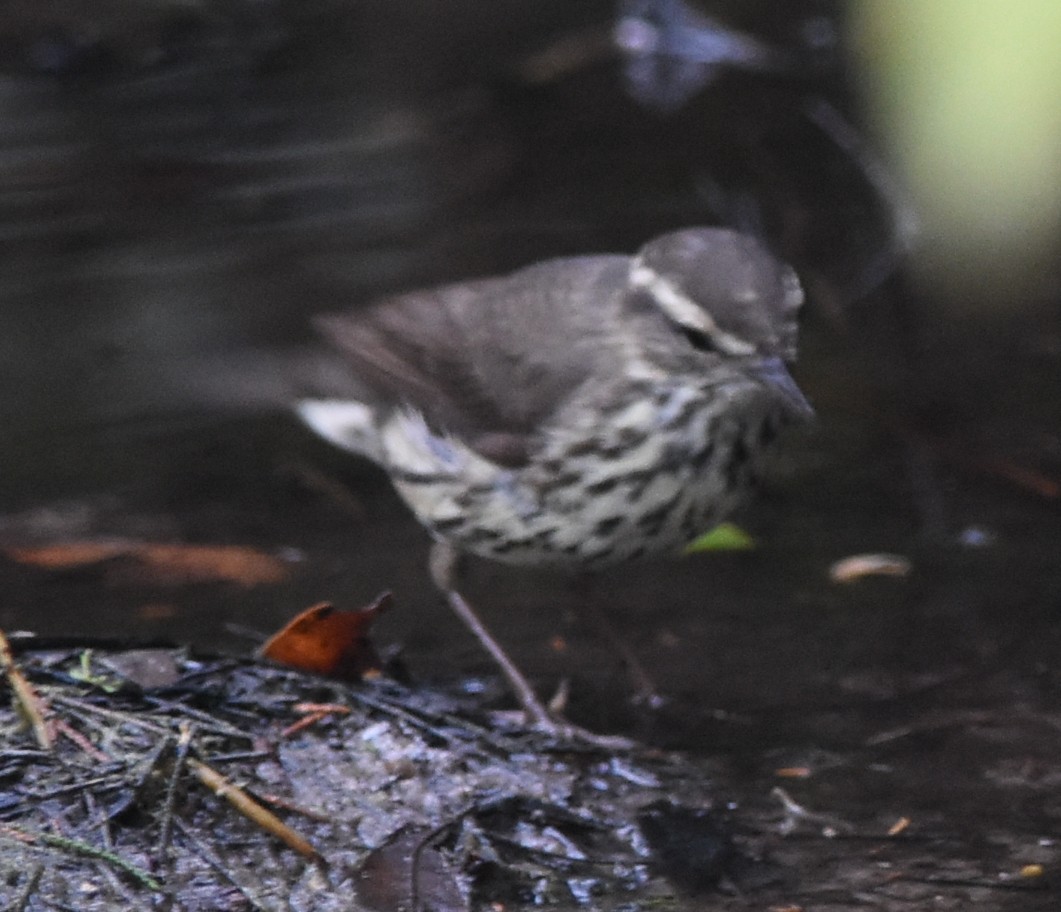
[327, 641]
[208, 563]
[68, 555]
[166, 564]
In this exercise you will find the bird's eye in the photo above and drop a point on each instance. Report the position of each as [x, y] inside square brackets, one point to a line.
[698, 339]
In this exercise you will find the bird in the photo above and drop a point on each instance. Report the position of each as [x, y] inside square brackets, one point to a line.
[577, 413]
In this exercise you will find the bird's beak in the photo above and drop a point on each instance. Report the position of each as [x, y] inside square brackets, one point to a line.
[774, 373]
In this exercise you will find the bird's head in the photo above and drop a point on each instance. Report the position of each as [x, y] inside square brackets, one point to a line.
[731, 300]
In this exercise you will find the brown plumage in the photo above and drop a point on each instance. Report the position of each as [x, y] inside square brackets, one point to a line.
[466, 355]
[579, 411]
[490, 360]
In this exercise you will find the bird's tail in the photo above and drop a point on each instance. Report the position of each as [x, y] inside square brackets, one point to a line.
[346, 423]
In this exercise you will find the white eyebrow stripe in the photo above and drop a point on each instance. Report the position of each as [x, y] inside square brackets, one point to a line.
[679, 307]
[683, 310]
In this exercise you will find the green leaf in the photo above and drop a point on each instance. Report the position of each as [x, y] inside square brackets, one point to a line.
[724, 537]
[83, 672]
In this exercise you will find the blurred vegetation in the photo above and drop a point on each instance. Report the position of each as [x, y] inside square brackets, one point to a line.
[967, 98]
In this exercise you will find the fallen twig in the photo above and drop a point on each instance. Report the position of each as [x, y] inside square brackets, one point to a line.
[115, 715]
[250, 808]
[30, 702]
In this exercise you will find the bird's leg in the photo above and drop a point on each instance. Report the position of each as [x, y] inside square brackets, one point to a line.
[445, 564]
[645, 691]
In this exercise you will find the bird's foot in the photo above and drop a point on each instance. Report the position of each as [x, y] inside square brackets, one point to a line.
[558, 729]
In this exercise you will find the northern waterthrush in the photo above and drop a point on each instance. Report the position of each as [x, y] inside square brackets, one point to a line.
[578, 412]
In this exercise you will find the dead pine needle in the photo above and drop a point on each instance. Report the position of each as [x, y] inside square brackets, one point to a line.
[21, 901]
[72, 734]
[84, 849]
[250, 809]
[29, 701]
[314, 713]
[169, 802]
[255, 902]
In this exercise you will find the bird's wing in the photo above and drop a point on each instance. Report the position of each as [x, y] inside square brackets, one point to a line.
[487, 360]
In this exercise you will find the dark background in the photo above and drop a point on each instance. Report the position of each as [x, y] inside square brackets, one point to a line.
[182, 187]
